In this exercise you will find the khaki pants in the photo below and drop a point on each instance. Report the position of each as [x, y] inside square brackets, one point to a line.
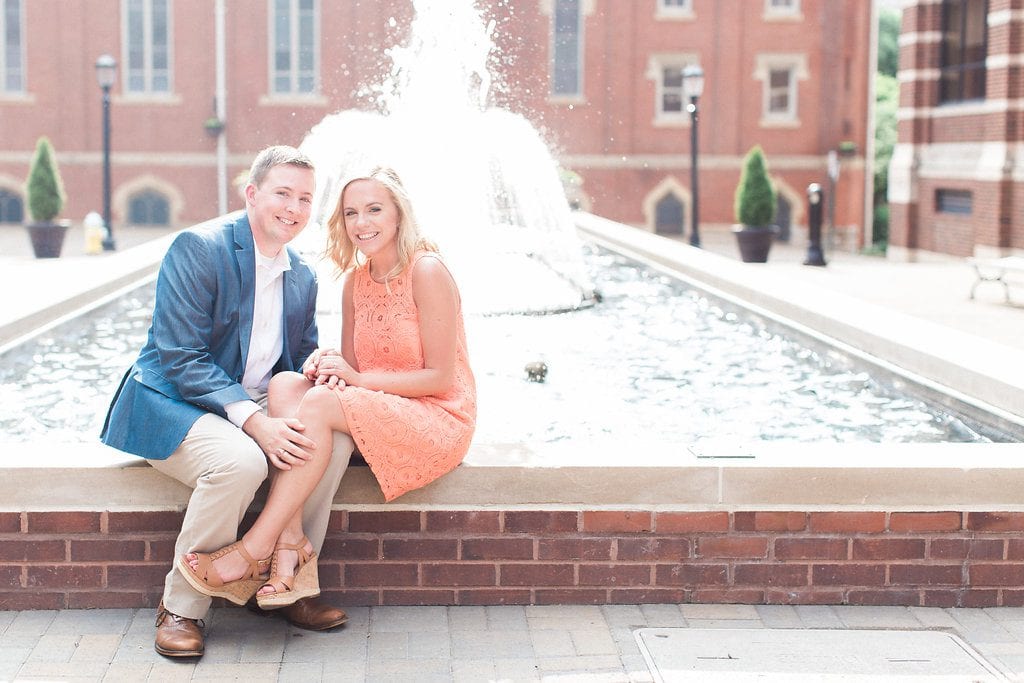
[225, 467]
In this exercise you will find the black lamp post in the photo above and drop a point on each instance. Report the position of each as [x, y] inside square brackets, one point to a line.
[814, 200]
[693, 86]
[106, 73]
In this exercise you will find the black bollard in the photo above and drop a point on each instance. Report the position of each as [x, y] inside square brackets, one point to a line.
[815, 202]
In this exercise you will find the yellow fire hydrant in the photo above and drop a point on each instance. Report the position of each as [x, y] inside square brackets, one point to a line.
[94, 233]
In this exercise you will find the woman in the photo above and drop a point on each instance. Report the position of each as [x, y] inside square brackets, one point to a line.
[401, 385]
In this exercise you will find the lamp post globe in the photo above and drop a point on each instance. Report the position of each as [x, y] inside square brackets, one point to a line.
[106, 74]
[693, 88]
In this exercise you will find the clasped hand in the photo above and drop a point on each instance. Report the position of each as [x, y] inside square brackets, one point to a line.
[327, 367]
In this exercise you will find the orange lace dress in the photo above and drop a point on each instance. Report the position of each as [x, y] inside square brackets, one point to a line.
[407, 442]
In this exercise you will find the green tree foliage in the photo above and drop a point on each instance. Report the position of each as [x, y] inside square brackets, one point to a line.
[755, 196]
[45, 189]
[887, 91]
[888, 41]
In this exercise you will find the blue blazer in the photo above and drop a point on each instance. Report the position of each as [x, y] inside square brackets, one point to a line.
[195, 354]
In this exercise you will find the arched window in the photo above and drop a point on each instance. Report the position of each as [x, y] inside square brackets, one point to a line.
[12, 209]
[149, 208]
[668, 215]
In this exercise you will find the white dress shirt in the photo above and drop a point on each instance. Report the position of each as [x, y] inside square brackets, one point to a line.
[267, 339]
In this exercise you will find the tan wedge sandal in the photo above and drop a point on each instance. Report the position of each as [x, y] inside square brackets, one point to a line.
[207, 581]
[290, 589]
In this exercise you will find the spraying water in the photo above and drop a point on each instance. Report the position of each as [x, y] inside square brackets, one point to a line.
[483, 183]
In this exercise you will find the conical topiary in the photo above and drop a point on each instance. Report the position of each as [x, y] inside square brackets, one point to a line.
[45, 189]
[755, 196]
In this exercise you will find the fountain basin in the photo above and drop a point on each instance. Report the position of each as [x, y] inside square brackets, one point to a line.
[769, 522]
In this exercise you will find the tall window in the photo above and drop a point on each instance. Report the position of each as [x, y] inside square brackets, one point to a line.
[147, 46]
[671, 99]
[780, 93]
[12, 48]
[780, 75]
[964, 46]
[566, 55]
[294, 49]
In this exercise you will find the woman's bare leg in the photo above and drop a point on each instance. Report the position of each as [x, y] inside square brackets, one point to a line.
[318, 409]
[320, 412]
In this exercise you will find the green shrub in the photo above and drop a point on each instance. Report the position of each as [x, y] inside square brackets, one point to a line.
[755, 196]
[880, 224]
[45, 189]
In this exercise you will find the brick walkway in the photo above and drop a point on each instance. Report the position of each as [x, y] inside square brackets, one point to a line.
[558, 643]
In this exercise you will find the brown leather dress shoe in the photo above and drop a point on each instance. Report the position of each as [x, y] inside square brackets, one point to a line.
[312, 614]
[178, 636]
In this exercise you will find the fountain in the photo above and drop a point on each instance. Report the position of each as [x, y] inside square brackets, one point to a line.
[483, 183]
[486, 188]
[613, 474]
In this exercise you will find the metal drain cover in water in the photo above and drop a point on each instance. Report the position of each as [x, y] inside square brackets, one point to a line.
[693, 654]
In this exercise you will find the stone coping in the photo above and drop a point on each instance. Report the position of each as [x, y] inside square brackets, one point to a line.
[763, 476]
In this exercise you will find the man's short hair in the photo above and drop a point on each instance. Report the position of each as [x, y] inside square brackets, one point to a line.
[276, 156]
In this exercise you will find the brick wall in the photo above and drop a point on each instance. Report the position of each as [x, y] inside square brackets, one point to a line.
[70, 559]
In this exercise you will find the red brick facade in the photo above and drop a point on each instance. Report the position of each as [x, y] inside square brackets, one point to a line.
[609, 134]
[69, 559]
[960, 145]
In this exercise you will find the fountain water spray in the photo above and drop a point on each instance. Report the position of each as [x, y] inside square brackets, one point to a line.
[484, 184]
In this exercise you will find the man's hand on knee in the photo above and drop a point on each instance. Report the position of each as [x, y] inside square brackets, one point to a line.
[281, 439]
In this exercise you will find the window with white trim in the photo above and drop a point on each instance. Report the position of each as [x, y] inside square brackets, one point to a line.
[147, 46]
[294, 41]
[12, 47]
[566, 49]
[674, 9]
[781, 7]
[676, 6]
[666, 73]
[964, 49]
[780, 75]
[780, 93]
[670, 97]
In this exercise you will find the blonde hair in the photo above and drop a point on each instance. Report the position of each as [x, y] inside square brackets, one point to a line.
[346, 255]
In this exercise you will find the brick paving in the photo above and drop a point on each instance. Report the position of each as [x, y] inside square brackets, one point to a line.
[509, 643]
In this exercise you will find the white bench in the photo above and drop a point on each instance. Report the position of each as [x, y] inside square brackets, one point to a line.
[1006, 271]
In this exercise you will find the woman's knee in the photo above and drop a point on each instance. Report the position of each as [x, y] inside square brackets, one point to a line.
[321, 403]
[287, 384]
[284, 393]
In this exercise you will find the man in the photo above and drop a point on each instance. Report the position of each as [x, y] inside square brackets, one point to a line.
[234, 305]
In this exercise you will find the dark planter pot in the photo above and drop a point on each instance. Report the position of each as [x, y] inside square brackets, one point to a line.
[47, 238]
[755, 241]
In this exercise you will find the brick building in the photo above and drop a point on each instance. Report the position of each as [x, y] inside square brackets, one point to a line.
[956, 181]
[600, 78]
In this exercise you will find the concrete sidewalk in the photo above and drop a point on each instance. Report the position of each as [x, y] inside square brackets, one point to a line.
[510, 643]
